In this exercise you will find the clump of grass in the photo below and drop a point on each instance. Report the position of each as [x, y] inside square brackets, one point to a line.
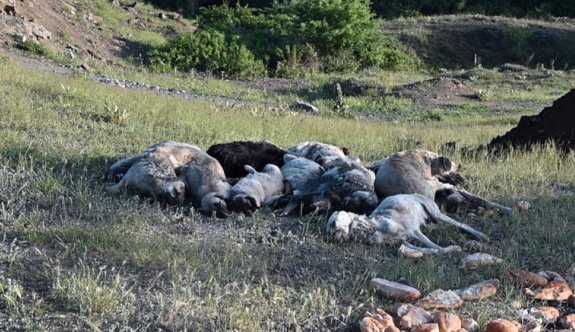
[38, 49]
[92, 292]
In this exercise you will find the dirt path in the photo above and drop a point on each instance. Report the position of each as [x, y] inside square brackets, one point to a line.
[48, 66]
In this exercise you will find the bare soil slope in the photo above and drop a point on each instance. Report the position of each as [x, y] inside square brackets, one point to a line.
[555, 123]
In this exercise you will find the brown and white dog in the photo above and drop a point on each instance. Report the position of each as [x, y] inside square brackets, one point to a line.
[429, 174]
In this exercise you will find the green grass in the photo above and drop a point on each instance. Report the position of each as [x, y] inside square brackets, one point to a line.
[98, 261]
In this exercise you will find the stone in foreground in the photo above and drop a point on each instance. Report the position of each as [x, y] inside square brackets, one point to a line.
[477, 260]
[503, 325]
[478, 291]
[440, 299]
[394, 290]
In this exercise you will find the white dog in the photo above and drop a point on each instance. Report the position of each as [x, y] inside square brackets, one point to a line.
[399, 217]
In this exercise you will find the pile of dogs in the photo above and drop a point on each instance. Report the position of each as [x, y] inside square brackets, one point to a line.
[395, 196]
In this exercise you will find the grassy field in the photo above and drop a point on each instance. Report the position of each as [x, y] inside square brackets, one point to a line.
[73, 256]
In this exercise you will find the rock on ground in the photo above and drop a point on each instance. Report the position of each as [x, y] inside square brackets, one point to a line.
[394, 290]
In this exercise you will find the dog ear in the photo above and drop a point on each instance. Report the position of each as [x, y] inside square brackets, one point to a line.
[345, 150]
[445, 163]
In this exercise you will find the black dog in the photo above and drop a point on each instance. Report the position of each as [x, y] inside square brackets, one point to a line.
[233, 156]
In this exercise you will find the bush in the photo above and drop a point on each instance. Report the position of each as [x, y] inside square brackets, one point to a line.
[288, 39]
[207, 51]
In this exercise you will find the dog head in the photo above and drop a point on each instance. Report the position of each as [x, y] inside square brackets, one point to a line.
[171, 192]
[361, 202]
[445, 170]
[214, 203]
[244, 203]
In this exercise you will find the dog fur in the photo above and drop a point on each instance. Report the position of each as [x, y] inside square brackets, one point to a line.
[342, 178]
[251, 191]
[318, 152]
[164, 171]
[398, 217]
[233, 156]
[153, 176]
[208, 188]
[426, 173]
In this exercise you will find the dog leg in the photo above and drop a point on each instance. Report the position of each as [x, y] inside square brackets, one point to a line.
[434, 212]
[432, 250]
[482, 202]
[418, 235]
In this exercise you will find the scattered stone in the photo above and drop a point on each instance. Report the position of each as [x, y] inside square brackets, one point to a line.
[554, 291]
[525, 278]
[37, 30]
[477, 260]
[410, 315]
[429, 327]
[503, 325]
[568, 322]
[522, 205]
[405, 251]
[162, 16]
[473, 246]
[380, 321]
[547, 315]
[394, 290]
[470, 324]
[440, 299]
[447, 322]
[478, 291]
[86, 67]
[305, 107]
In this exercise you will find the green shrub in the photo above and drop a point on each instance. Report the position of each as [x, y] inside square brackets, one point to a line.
[208, 51]
[288, 39]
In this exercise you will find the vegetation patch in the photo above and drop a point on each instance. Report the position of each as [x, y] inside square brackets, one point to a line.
[283, 40]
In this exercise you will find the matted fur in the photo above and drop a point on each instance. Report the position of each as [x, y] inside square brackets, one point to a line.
[398, 217]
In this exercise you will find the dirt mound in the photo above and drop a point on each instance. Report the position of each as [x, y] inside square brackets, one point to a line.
[442, 91]
[555, 123]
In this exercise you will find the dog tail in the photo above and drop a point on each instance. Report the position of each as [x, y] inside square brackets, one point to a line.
[434, 213]
[249, 169]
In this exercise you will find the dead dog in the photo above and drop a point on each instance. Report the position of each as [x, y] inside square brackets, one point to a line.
[398, 217]
[233, 156]
[152, 176]
[251, 191]
[299, 171]
[426, 173]
[178, 154]
[318, 152]
[343, 177]
[157, 171]
[208, 188]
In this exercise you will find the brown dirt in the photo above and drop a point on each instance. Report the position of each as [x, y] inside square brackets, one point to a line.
[442, 91]
[554, 124]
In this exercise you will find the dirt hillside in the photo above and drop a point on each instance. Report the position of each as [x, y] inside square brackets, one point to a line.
[555, 123]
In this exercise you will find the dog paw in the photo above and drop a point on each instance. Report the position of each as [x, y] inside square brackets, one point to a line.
[339, 225]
